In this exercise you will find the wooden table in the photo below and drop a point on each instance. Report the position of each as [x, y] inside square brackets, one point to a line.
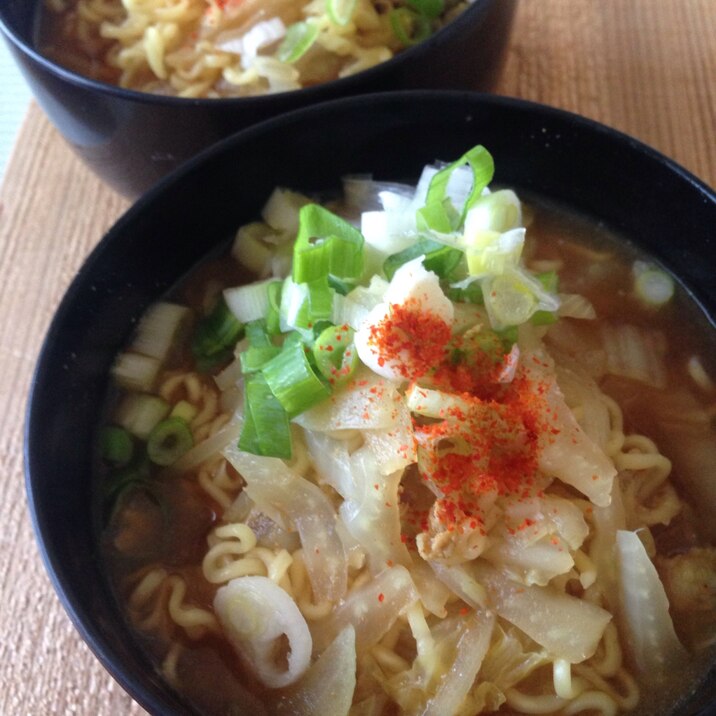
[646, 67]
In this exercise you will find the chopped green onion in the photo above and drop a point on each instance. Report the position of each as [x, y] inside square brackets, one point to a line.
[273, 316]
[320, 300]
[216, 335]
[266, 430]
[293, 381]
[336, 357]
[428, 8]
[168, 441]
[160, 329]
[549, 281]
[485, 342]
[116, 445]
[508, 336]
[434, 215]
[498, 211]
[509, 301]
[472, 293]
[140, 412]
[340, 286]
[133, 371]
[543, 318]
[249, 302]
[298, 41]
[260, 351]
[341, 11]
[251, 248]
[326, 244]
[122, 481]
[492, 252]
[409, 27]
[184, 410]
[280, 212]
[653, 287]
[439, 258]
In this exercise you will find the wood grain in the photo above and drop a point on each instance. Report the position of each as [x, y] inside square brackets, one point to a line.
[646, 67]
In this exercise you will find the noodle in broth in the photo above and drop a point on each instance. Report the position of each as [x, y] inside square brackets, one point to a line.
[479, 518]
[232, 48]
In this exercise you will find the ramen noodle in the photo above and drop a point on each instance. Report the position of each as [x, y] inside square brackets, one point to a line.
[233, 48]
[425, 463]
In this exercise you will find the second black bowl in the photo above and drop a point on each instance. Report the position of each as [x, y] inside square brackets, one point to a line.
[131, 139]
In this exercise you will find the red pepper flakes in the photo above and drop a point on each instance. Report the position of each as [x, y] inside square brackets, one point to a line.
[412, 338]
[381, 597]
[491, 446]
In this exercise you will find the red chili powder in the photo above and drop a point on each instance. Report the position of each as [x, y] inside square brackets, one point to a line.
[496, 446]
[414, 339]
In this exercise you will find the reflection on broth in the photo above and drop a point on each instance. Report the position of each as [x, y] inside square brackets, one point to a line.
[477, 476]
[233, 48]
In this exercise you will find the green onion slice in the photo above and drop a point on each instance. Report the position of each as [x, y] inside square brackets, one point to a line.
[298, 41]
[116, 445]
[409, 27]
[335, 356]
[435, 215]
[184, 410]
[169, 440]
[439, 258]
[216, 335]
[273, 317]
[326, 244]
[472, 293]
[266, 430]
[428, 8]
[293, 381]
[543, 318]
[549, 281]
[341, 11]
[260, 351]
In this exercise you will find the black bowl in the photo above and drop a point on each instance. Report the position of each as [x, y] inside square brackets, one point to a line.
[591, 168]
[131, 139]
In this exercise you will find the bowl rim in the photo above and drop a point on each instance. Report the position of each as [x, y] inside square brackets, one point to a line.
[315, 93]
[90, 630]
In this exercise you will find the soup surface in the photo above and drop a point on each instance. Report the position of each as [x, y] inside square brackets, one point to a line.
[457, 462]
[232, 48]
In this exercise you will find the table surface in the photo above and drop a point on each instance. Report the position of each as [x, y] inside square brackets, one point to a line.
[646, 67]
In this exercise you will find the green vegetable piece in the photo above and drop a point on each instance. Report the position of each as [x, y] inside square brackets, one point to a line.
[169, 440]
[439, 258]
[273, 318]
[266, 430]
[116, 445]
[427, 8]
[335, 355]
[434, 215]
[410, 27]
[298, 41]
[293, 381]
[472, 293]
[340, 11]
[184, 410]
[216, 335]
[543, 318]
[654, 287]
[549, 281]
[139, 413]
[326, 245]
[260, 351]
